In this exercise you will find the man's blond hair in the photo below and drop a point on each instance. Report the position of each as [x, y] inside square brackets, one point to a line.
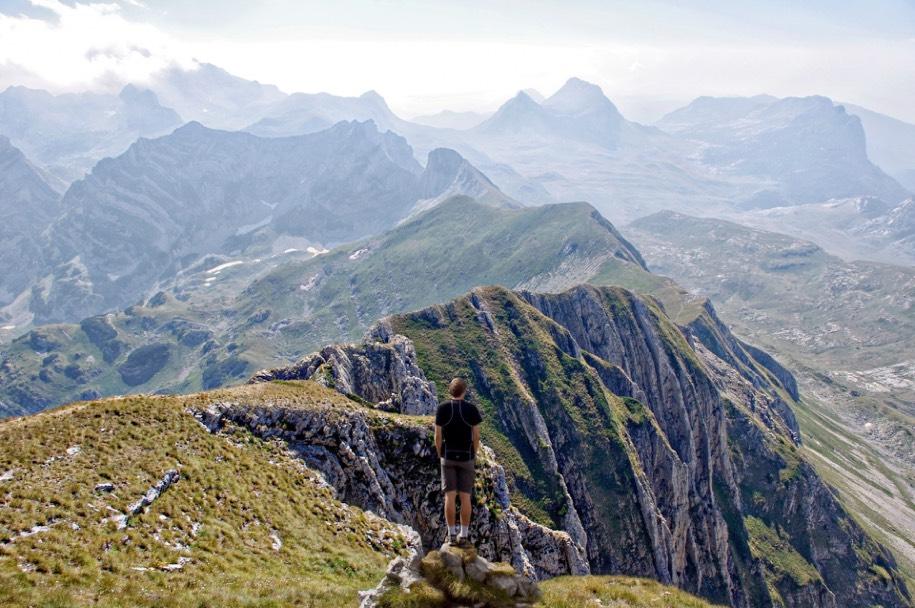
[457, 388]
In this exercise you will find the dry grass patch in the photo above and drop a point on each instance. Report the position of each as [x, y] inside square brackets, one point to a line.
[246, 524]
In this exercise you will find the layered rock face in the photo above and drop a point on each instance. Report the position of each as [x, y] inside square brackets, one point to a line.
[657, 455]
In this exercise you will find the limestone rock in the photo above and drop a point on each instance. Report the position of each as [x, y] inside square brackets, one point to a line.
[388, 465]
[461, 577]
[381, 370]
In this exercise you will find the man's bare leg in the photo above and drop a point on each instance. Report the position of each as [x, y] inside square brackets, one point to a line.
[450, 509]
[466, 509]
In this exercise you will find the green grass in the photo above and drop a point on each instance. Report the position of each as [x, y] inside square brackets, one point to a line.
[616, 591]
[234, 494]
[775, 549]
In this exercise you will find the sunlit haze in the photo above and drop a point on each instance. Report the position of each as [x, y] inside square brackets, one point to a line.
[649, 57]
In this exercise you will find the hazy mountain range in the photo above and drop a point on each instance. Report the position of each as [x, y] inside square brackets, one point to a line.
[181, 236]
[67, 134]
[139, 219]
[724, 156]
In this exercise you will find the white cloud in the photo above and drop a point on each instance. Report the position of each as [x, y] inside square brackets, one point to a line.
[83, 46]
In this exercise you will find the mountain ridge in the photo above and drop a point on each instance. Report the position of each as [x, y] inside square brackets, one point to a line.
[230, 315]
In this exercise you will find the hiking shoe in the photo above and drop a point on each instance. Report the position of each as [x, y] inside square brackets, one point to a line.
[463, 542]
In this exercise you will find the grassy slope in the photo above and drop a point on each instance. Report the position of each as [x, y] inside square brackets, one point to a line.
[305, 304]
[617, 591]
[820, 316]
[436, 256]
[234, 493]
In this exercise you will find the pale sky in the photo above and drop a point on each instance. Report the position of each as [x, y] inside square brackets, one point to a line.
[648, 55]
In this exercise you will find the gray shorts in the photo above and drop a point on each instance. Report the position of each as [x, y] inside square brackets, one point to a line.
[457, 476]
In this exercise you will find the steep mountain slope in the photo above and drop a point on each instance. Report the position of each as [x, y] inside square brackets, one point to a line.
[67, 134]
[846, 327]
[657, 457]
[28, 205]
[654, 454]
[138, 220]
[808, 148]
[226, 318]
[890, 143]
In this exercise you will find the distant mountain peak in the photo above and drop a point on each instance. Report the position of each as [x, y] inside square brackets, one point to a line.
[373, 95]
[578, 95]
[523, 97]
[447, 174]
[519, 112]
[192, 127]
[579, 110]
[534, 94]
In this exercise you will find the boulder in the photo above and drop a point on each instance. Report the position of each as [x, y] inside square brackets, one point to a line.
[454, 576]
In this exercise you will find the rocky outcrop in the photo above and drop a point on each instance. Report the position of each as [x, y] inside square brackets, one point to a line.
[170, 478]
[382, 370]
[455, 577]
[387, 464]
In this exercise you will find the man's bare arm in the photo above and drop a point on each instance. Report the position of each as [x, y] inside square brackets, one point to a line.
[438, 440]
[476, 439]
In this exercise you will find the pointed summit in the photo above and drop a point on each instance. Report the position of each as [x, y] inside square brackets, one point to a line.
[534, 94]
[518, 114]
[192, 128]
[577, 96]
[448, 174]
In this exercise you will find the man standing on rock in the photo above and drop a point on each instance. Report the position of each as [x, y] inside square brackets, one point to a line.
[457, 441]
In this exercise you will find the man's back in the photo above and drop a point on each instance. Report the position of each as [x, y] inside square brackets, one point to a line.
[457, 419]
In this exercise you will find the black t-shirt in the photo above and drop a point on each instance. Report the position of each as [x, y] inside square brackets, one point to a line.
[457, 417]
